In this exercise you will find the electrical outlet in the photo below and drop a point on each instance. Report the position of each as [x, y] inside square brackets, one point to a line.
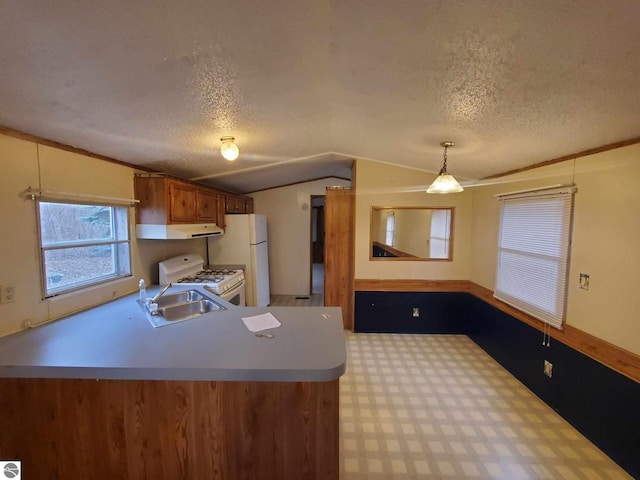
[584, 281]
[7, 293]
[416, 312]
[548, 368]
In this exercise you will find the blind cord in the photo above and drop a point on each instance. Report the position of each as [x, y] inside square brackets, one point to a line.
[546, 334]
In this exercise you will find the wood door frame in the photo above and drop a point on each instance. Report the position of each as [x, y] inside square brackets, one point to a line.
[312, 197]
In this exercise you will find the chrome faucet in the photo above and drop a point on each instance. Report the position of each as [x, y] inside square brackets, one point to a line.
[160, 293]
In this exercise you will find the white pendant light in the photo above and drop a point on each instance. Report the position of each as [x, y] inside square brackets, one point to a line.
[229, 149]
[445, 183]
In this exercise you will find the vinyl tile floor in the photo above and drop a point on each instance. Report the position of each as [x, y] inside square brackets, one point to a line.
[439, 407]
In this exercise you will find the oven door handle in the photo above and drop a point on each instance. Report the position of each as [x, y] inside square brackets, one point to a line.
[227, 292]
[235, 288]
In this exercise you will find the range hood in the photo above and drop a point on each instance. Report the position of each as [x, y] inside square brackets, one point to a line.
[177, 232]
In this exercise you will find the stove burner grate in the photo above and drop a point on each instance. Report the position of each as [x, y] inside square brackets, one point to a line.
[201, 279]
[217, 272]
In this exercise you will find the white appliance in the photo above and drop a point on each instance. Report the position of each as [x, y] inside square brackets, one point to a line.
[177, 232]
[245, 242]
[188, 270]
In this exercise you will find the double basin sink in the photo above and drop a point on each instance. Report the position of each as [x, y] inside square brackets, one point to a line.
[178, 307]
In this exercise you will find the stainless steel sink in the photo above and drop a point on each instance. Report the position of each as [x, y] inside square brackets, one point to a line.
[180, 297]
[180, 306]
[189, 310]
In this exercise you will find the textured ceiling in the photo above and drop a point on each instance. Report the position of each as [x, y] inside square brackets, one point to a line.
[157, 83]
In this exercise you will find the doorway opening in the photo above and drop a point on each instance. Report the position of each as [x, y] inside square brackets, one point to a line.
[317, 245]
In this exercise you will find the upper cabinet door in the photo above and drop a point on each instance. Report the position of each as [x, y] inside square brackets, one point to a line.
[206, 205]
[235, 204]
[221, 203]
[248, 205]
[182, 202]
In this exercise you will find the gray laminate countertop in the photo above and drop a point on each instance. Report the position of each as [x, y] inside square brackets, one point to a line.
[117, 341]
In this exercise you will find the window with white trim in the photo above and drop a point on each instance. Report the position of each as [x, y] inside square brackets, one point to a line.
[82, 245]
[533, 252]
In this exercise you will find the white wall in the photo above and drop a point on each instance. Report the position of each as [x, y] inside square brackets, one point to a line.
[605, 239]
[289, 230]
[26, 164]
[381, 184]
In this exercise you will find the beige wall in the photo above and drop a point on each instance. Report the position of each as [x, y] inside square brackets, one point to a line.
[606, 231]
[381, 184]
[413, 228]
[25, 164]
[605, 239]
[289, 230]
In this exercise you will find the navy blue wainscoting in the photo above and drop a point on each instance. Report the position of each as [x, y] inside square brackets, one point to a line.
[392, 312]
[601, 403]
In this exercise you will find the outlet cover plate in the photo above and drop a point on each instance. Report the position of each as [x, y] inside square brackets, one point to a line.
[584, 281]
[7, 293]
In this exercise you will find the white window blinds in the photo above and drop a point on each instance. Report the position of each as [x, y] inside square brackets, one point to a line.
[533, 249]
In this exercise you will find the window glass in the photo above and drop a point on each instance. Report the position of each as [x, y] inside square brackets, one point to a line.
[82, 245]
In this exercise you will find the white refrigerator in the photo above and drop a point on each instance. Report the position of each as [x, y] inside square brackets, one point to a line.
[245, 242]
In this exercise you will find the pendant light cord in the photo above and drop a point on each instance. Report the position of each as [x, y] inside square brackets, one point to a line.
[443, 170]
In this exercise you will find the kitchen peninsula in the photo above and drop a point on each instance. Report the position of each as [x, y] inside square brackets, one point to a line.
[103, 394]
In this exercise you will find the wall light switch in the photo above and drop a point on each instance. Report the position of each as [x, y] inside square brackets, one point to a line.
[584, 281]
[415, 312]
[548, 368]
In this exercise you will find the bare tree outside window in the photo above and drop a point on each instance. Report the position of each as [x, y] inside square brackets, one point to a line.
[82, 245]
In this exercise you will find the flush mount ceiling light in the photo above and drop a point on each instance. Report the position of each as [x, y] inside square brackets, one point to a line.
[229, 149]
[445, 183]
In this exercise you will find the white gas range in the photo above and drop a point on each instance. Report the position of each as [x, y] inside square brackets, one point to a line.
[228, 284]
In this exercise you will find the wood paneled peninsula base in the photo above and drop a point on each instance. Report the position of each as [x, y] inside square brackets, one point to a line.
[157, 429]
[102, 394]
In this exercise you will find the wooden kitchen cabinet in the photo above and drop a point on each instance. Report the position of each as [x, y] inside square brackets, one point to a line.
[206, 205]
[182, 202]
[221, 206]
[234, 204]
[165, 201]
[248, 205]
[238, 204]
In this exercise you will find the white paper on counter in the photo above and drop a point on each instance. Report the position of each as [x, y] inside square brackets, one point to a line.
[261, 322]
